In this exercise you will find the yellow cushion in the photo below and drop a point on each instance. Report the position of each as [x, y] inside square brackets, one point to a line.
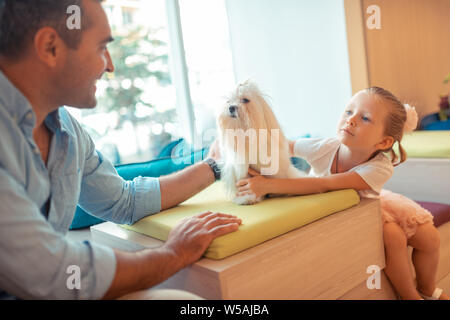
[260, 222]
[427, 144]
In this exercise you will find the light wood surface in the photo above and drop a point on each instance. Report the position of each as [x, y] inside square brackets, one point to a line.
[387, 292]
[306, 263]
[409, 55]
[322, 260]
[444, 258]
[356, 43]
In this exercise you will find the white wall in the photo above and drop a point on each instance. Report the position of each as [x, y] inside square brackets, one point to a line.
[296, 50]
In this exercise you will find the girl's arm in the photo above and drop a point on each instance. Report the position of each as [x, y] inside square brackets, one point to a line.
[307, 185]
[261, 186]
[291, 147]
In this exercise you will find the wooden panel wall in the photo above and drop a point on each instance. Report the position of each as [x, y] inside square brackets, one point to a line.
[356, 45]
[410, 54]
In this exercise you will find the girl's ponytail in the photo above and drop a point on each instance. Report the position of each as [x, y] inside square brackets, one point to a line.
[395, 158]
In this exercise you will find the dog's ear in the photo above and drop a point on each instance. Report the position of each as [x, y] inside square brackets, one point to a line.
[245, 83]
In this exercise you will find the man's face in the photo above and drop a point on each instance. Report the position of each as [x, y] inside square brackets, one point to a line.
[82, 67]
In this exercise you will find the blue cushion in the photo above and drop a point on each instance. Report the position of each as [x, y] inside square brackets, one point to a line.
[167, 150]
[433, 122]
[154, 168]
[438, 125]
[300, 163]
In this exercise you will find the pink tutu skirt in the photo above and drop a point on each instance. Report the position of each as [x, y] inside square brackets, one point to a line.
[403, 211]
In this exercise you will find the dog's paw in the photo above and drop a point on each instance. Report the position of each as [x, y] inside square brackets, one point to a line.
[247, 199]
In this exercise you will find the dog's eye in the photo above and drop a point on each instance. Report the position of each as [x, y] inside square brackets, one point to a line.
[245, 100]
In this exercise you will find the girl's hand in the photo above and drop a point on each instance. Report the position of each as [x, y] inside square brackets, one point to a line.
[291, 147]
[214, 151]
[256, 184]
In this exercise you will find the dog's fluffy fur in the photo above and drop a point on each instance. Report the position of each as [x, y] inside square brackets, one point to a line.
[247, 108]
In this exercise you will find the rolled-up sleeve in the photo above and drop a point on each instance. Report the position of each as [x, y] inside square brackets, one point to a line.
[37, 262]
[108, 196]
[148, 197]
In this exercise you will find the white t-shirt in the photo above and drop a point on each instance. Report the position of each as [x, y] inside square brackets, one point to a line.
[320, 154]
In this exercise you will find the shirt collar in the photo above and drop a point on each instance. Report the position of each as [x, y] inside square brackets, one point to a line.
[53, 121]
[15, 102]
[20, 108]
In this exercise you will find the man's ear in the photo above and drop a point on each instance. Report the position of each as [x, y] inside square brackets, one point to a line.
[386, 143]
[48, 45]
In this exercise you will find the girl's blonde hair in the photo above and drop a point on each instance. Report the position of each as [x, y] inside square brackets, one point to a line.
[395, 122]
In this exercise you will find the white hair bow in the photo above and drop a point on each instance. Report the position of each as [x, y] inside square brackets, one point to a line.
[411, 119]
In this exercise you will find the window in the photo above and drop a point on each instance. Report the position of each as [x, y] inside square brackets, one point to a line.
[143, 105]
[209, 60]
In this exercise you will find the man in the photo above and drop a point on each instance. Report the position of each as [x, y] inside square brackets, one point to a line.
[48, 165]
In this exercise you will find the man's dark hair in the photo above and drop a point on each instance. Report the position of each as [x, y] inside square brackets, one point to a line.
[21, 19]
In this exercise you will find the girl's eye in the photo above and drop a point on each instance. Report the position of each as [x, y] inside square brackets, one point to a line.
[348, 112]
[365, 119]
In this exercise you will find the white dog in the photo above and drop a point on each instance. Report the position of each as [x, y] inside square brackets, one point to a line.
[250, 136]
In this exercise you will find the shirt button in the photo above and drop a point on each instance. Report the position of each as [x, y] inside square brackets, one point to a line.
[29, 116]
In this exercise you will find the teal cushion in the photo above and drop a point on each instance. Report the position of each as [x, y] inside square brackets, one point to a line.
[167, 150]
[154, 168]
[300, 163]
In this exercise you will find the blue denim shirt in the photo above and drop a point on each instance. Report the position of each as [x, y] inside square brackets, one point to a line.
[37, 204]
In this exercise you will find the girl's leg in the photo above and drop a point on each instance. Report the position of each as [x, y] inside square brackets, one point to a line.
[425, 257]
[397, 262]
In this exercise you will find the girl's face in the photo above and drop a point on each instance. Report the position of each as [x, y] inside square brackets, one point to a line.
[362, 124]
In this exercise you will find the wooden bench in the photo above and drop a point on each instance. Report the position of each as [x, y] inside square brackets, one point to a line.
[326, 259]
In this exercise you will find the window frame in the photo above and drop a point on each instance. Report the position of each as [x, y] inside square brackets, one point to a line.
[179, 71]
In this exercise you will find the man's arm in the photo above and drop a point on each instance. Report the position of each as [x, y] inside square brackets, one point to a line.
[35, 258]
[186, 244]
[106, 195]
[182, 185]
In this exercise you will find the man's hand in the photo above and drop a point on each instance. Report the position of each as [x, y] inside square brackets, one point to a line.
[186, 244]
[191, 237]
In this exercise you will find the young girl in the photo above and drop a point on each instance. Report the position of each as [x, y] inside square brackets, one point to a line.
[372, 122]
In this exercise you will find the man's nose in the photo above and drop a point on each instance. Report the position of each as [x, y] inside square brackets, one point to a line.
[109, 63]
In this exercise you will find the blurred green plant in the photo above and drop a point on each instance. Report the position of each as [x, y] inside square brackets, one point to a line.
[133, 53]
[138, 57]
[444, 104]
[447, 78]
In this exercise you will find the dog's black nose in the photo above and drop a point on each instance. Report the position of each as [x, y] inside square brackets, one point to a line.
[232, 109]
